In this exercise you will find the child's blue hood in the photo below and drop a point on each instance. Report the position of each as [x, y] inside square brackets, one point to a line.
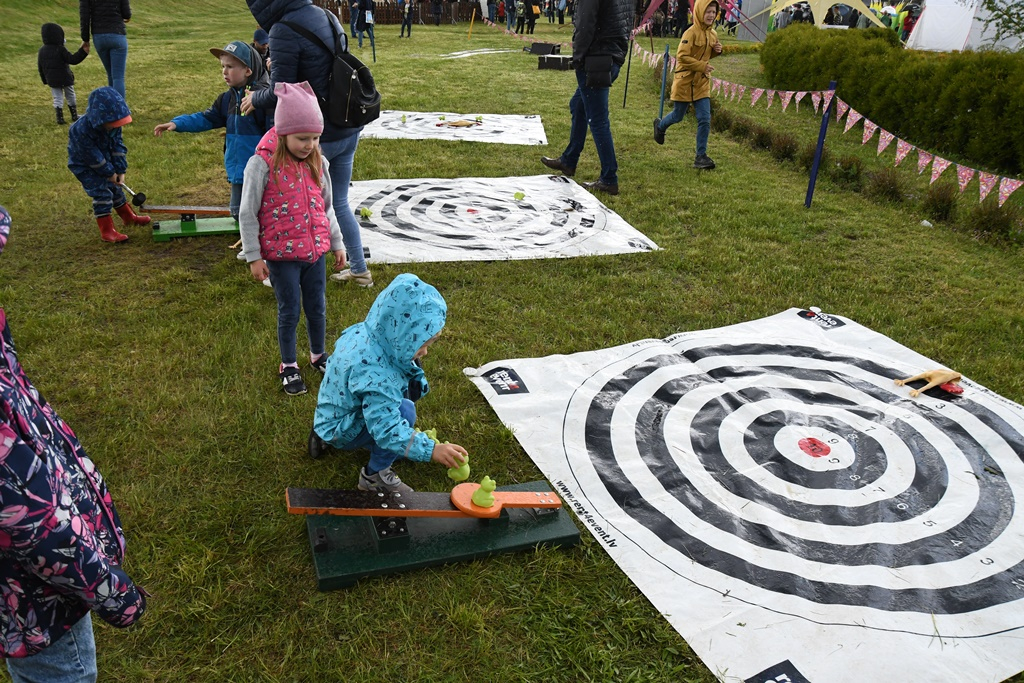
[269, 12]
[105, 106]
[405, 315]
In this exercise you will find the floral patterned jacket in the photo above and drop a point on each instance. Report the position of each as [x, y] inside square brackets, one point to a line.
[61, 541]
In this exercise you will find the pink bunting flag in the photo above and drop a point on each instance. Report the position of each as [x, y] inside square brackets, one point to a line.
[816, 99]
[987, 182]
[884, 138]
[1008, 186]
[851, 119]
[923, 159]
[715, 85]
[902, 150]
[743, 90]
[828, 98]
[786, 97]
[963, 176]
[799, 96]
[841, 109]
[938, 166]
[869, 129]
[756, 95]
[771, 98]
[733, 90]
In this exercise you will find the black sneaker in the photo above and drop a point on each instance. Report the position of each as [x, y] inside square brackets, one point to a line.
[659, 134]
[320, 364]
[703, 162]
[292, 381]
[316, 446]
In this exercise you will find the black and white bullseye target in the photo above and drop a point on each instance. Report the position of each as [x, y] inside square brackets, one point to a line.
[506, 129]
[789, 508]
[487, 219]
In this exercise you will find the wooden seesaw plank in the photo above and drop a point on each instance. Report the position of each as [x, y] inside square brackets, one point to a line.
[193, 210]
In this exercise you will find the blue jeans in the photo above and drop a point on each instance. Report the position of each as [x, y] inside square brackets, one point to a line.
[589, 108]
[406, 23]
[72, 659]
[702, 108]
[379, 458]
[300, 283]
[341, 154]
[510, 18]
[492, 10]
[113, 51]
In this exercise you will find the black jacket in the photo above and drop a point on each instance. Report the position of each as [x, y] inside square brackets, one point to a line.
[103, 16]
[602, 28]
[54, 58]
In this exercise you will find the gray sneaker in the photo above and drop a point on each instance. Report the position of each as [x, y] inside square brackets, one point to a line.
[386, 480]
[363, 279]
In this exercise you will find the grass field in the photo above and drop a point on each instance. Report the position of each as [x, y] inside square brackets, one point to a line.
[163, 357]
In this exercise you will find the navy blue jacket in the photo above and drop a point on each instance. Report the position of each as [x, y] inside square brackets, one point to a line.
[243, 133]
[103, 16]
[93, 148]
[295, 58]
[54, 58]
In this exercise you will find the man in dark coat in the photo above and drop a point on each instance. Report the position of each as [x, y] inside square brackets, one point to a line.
[599, 43]
[55, 69]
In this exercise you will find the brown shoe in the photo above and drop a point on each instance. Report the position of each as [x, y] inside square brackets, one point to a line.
[556, 163]
[601, 186]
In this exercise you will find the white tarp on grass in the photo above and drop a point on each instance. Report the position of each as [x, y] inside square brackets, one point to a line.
[507, 129]
[487, 219]
[792, 512]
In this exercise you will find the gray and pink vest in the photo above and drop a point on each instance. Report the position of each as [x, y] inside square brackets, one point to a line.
[293, 218]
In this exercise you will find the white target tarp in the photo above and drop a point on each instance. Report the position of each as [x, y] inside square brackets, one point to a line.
[794, 513]
[506, 129]
[487, 219]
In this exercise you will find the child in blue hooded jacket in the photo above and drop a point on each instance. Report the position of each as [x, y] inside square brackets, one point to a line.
[372, 379]
[242, 69]
[99, 159]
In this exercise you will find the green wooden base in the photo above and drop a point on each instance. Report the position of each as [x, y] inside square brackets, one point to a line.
[164, 231]
[346, 549]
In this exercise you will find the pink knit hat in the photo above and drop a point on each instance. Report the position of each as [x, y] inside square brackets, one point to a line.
[297, 109]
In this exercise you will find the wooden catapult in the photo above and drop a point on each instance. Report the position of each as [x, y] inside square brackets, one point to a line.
[356, 534]
[193, 221]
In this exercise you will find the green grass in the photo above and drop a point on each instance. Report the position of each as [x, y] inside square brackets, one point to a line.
[163, 356]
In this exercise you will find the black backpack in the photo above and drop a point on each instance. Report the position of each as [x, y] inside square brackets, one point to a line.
[352, 98]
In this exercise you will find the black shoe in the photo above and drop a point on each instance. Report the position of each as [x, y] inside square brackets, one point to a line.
[659, 134]
[556, 163]
[703, 162]
[601, 186]
[320, 364]
[317, 446]
[292, 381]
[74, 113]
[60, 115]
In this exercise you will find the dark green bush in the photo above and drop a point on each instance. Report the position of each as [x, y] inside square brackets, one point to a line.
[806, 157]
[741, 127]
[988, 219]
[721, 120]
[940, 203]
[847, 171]
[784, 146]
[885, 185]
[965, 105]
[760, 137]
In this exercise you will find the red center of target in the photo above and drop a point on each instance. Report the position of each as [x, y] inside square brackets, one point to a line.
[814, 447]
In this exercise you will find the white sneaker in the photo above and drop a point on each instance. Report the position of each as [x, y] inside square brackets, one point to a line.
[361, 279]
[241, 255]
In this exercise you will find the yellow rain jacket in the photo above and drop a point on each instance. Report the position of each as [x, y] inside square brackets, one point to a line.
[694, 53]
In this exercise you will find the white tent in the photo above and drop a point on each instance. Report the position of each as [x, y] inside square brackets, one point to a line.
[947, 25]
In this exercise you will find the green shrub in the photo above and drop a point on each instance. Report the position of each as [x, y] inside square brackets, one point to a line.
[966, 105]
[806, 157]
[847, 171]
[940, 203]
[885, 185]
[988, 219]
[741, 127]
[760, 136]
[721, 120]
[784, 146]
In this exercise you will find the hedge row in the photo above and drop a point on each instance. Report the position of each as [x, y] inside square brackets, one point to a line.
[966, 106]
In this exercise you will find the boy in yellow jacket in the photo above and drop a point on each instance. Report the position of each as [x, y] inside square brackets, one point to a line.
[692, 82]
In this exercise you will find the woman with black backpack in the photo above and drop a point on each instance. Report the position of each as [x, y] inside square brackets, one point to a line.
[297, 59]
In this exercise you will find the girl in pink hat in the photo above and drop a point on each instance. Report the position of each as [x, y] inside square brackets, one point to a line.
[288, 225]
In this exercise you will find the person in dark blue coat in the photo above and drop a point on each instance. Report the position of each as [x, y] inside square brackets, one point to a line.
[242, 68]
[99, 159]
[55, 69]
[296, 59]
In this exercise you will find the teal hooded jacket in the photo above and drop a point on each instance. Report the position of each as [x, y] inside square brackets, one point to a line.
[372, 368]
